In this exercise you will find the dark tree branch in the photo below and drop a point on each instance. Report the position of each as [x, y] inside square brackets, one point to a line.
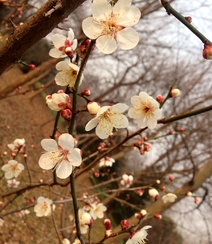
[33, 30]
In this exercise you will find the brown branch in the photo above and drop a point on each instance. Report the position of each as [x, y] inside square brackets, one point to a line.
[33, 30]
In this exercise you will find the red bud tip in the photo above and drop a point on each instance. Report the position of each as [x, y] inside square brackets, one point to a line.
[125, 224]
[189, 19]
[32, 66]
[160, 99]
[171, 177]
[207, 52]
[158, 216]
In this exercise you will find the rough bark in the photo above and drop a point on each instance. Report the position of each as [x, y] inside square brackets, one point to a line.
[33, 30]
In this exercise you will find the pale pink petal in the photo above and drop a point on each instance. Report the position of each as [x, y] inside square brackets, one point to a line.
[49, 145]
[74, 157]
[106, 44]
[66, 141]
[48, 160]
[58, 40]
[101, 9]
[119, 107]
[119, 121]
[136, 101]
[91, 28]
[135, 113]
[64, 170]
[130, 18]
[128, 38]
[91, 124]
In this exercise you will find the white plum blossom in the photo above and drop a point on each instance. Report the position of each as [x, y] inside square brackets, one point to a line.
[58, 101]
[63, 46]
[12, 169]
[110, 25]
[107, 118]
[61, 156]
[169, 197]
[43, 207]
[76, 241]
[17, 144]
[67, 74]
[85, 220]
[145, 110]
[139, 237]
[13, 183]
[126, 180]
[106, 162]
[23, 212]
[66, 241]
[97, 210]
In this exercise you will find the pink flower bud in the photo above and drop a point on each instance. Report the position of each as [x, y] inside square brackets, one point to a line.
[196, 200]
[140, 192]
[138, 143]
[86, 92]
[171, 131]
[60, 91]
[108, 233]
[189, 19]
[93, 107]
[162, 188]
[32, 66]
[157, 181]
[175, 93]
[66, 114]
[181, 129]
[142, 151]
[147, 147]
[158, 216]
[160, 99]
[125, 224]
[107, 224]
[207, 51]
[137, 215]
[171, 177]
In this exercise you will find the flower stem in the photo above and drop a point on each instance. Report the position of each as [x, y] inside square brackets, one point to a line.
[183, 116]
[171, 10]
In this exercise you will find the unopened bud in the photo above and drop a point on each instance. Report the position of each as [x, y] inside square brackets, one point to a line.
[189, 19]
[107, 224]
[66, 114]
[140, 192]
[93, 107]
[143, 212]
[157, 181]
[158, 216]
[162, 188]
[171, 177]
[171, 131]
[160, 99]
[32, 66]
[108, 233]
[207, 51]
[86, 92]
[153, 193]
[196, 200]
[142, 151]
[147, 147]
[125, 224]
[175, 93]
[189, 194]
[181, 129]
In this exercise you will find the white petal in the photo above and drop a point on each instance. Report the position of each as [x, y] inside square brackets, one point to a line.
[49, 145]
[64, 169]
[119, 121]
[74, 45]
[58, 40]
[56, 53]
[62, 79]
[144, 96]
[66, 141]
[122, 7]
[127, 38]
[152, 123]
[136, 101]
[101, 9]
[74, 157]
[62, 65]
[106, 44]
[102, 110]
[130, 17]
[91, 124]
[135, 113]
[47, 160]
[70, 35]
[54, 106]
[91, 28]
[104, 129]
[119, 107]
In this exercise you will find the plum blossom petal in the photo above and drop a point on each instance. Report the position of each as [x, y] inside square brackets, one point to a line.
[62, 156]
[97, 210]
[12, 169]
[106, 162]
[67, 74]
[107, 118]
[17, 144]
[145, 110]
[63, 46]
[108, 25]
[43, 207]
[139, 237]
[169, 197]
[59, 101]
